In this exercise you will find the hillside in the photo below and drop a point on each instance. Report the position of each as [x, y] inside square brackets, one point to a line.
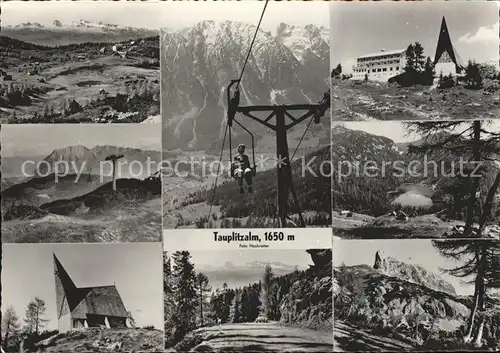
[84, 81]
[258, 210]
[394, 307]
[131, 213]
[74, 33]
[375, 177]
[97, 340]
[289, 65]
[359, 101]
[300, 315]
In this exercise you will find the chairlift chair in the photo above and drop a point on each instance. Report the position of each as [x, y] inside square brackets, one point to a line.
[232, 106]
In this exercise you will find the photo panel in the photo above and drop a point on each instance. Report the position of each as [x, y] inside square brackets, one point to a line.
[416, 295]
[74, 183]
[82, 297]
[417, 60]
[262, 160]
[79, 62]
[276, 297]
[427, 179]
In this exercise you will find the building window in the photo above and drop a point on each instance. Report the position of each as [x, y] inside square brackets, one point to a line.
[397, 68]
[390, 68]
[384, 69]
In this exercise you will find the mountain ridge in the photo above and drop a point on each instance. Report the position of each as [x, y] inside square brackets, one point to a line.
[202, 59]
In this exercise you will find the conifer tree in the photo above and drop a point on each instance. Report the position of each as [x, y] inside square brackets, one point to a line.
[185, 296]
[203, 288]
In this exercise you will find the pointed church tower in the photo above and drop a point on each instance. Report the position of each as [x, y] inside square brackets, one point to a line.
[446, 59]
[66, 296]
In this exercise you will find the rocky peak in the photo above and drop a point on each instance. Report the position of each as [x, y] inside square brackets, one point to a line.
[322, 258]
[411, 273]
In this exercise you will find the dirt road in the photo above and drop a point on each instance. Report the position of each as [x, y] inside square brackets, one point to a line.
[262, 337]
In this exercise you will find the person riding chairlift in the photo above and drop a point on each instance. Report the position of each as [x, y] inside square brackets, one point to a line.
[242, 169]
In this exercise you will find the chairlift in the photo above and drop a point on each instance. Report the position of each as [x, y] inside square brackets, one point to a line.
[232, 106]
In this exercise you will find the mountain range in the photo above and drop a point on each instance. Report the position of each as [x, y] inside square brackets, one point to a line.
[59, 33]
[86, 160]
[241, 275]
[288, 66]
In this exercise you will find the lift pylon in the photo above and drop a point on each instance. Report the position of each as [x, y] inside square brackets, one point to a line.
[283, 121]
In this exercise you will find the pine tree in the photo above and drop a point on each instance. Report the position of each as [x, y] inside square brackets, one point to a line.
[410, 65]
[235, 315]
[10, 327]
[480, 259]
[266, 299]
[168, 299]
[475, 144]
[203, 288]
[419, 58]
[473, 77]
[34, 316]
[184, 286]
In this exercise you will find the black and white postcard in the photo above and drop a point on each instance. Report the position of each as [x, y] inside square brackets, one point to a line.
[417, 60]
[82, 298]
[416, 295]
[79, 62]
[276, 299]
[66, 183]
[246, 115]
[437, 179]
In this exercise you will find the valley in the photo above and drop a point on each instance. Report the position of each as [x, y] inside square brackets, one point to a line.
[288, 65]
[83, 207]
[386, 188]
[395, 304]
[89, 78]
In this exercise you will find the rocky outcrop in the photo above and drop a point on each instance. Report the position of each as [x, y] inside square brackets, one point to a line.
[322, 258]
[309, 302]
[411, 273]
[391, 303]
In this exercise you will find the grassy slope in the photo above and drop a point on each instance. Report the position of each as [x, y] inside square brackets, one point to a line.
[313, 192]
[61, 77]
[130, 214]
[361, 101]
[96, 340]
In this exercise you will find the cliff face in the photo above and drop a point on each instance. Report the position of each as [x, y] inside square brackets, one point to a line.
[392, 303]
[309, 302]
[411, 273]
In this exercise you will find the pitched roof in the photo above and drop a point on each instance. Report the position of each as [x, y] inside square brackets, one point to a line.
[444, 44]
[381, 53]
[99, 301]
[102, 300]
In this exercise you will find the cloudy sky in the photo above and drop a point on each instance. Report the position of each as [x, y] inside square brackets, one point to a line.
[359, 28]
[42, 139]
[135, 268]
[155, 15]
[417, 252]
[395, 130]
[248, 11]
[239, 268]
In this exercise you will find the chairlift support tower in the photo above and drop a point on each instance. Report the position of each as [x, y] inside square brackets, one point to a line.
[283, 121]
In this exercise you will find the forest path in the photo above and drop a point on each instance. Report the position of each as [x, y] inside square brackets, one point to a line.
[262, 337]
[349, 338]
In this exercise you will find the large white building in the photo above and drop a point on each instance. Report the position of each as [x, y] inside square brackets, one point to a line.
[379, 66]
[383, 65]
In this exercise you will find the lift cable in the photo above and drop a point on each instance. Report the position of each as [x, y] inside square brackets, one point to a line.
[218, 171]
[237, 86]
[251, 44]
[300, 141]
